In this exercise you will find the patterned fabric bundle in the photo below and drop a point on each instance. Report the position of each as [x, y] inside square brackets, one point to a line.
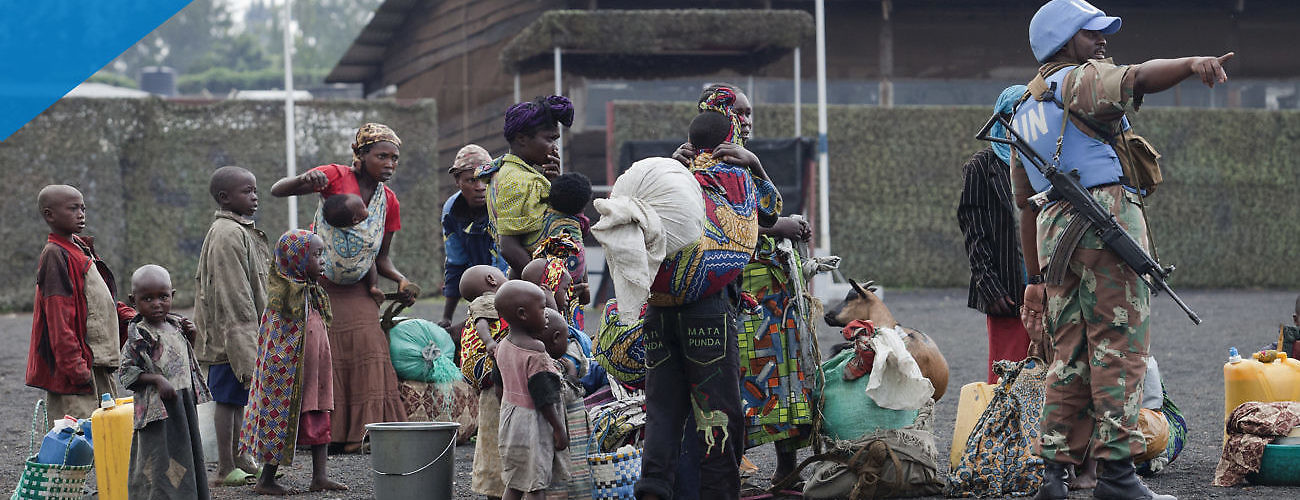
[621, 346]
[425, 403]
[271, 417]
[999, 459]
[1177, 436]
[618, 423]
[1251, 427]
[371, 133]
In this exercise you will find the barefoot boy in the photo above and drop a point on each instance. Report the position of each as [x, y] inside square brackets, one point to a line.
[532, 435]
[231, 293]
[77, 325]
[478, 344]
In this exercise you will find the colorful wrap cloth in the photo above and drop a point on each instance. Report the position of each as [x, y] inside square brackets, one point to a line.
[271, 417]
[620, 348]
[351, 251]
[722, 100]
[732, 202]
[475, 364]
[778, 356]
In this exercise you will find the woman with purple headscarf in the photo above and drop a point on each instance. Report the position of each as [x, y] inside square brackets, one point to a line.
[520, 182]
[521, 179]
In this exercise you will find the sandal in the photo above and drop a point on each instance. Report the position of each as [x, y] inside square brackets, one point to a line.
[237, 477]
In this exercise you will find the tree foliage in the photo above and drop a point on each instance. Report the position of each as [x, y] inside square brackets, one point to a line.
[214, 49]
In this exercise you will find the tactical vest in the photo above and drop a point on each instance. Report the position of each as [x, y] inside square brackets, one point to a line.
[1039, 123]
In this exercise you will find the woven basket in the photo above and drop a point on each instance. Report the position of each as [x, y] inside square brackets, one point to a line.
[613, 475]
[48, 481]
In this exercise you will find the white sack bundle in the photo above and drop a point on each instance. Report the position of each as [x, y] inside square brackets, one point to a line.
[655, 208]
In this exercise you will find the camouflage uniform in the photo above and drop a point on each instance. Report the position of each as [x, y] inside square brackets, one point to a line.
[1097, 314]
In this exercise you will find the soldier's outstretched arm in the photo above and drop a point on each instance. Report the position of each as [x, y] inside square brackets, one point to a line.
[1158, 75]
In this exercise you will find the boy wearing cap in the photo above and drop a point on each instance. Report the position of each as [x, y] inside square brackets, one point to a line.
[1099, 332]
[466, 240]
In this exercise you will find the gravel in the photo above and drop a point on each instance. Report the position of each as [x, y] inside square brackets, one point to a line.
[1190, 358]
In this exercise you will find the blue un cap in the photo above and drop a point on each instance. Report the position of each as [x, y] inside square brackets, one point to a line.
[1057, 21]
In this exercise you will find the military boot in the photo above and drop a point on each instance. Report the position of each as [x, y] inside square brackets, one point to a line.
[1054, 486]
[1117, 480]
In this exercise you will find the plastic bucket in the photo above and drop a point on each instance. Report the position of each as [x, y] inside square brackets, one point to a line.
[413, 459]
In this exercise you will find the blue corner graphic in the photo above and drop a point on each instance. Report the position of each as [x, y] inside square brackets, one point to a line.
[50, 46]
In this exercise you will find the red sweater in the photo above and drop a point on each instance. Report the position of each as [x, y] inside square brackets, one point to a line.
[59, 359]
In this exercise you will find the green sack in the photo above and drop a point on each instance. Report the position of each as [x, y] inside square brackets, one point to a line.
[847, 412]
[422, 351]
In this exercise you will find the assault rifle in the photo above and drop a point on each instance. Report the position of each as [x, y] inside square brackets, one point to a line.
[1065, 186]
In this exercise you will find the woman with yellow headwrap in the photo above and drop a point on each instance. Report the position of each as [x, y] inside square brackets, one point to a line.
[365, 385]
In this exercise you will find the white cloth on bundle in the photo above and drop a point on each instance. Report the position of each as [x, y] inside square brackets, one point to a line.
[654, 209]
[896, 381]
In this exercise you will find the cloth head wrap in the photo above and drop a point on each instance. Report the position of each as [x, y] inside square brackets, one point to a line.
[1005, 105]
[723, 100]
[544, 111]
[288, 287]
[469, 158]
[371, 133]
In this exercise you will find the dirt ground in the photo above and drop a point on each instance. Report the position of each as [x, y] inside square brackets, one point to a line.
[1190, 358]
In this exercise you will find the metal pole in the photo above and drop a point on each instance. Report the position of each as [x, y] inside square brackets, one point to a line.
[559, 144]
[798, 95]
[823, 158]
[516, 87]
[290, 155]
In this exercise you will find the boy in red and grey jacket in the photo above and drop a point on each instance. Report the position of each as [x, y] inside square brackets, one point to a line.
[76, 324]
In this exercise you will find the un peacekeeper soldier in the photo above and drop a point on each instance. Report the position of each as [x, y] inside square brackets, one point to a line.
[1094, 308]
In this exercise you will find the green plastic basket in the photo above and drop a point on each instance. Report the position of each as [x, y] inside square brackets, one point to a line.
[1279, 467]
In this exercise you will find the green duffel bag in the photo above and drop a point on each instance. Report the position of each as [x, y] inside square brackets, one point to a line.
[422, 351]
[847, 412]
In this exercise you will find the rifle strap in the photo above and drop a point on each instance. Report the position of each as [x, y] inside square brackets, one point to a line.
[1151, 239]
[1059, 263]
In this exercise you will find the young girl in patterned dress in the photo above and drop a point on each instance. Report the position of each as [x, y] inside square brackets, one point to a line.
[284, 412]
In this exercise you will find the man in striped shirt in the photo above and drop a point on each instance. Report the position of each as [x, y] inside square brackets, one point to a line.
[988, 220]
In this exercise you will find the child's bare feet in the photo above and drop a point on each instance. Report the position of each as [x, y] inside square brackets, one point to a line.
[324, 484]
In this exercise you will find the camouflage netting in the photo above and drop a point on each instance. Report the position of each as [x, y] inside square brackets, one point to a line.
[1225, 216]
[144, 165]
[657, 43]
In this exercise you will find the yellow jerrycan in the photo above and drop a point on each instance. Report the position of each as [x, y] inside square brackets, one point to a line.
[1270, 376]
[112, 425]
[974, 400]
